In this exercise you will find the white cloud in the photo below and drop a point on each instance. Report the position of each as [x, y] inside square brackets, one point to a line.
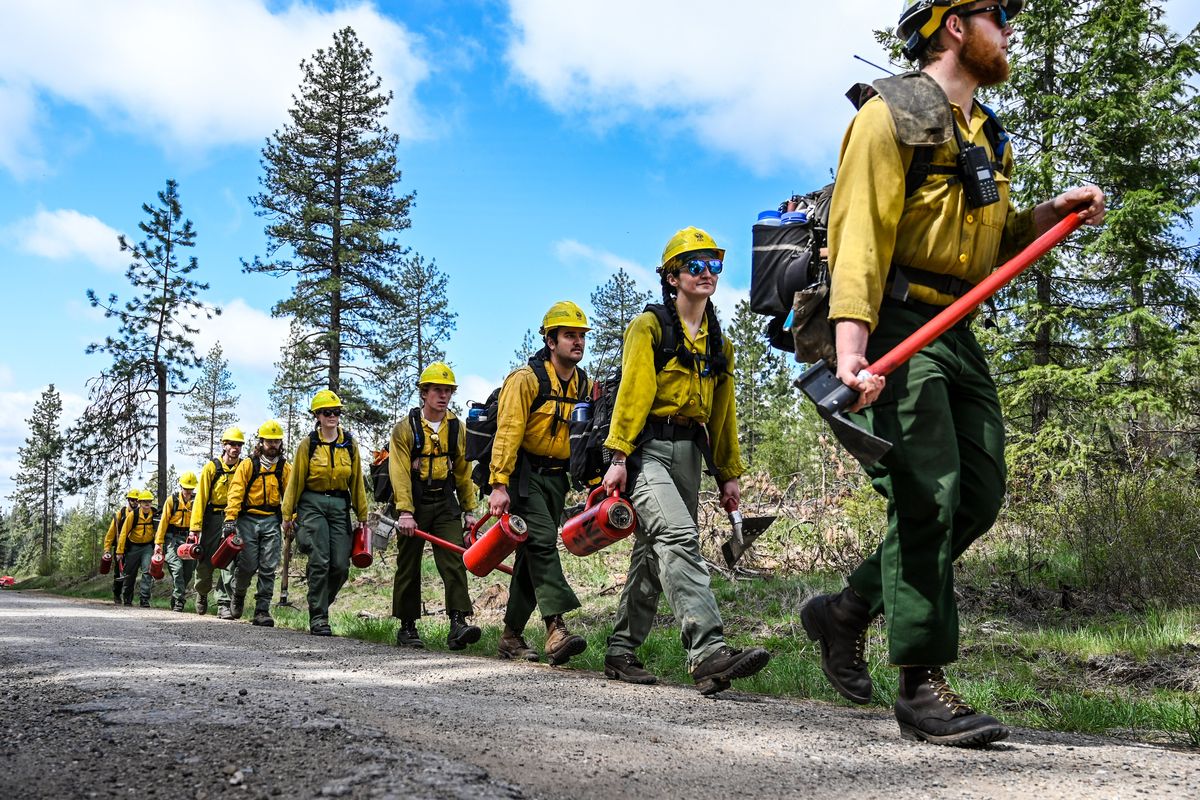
[187, 74]
[66, 233]
[475, 387]
[250, 338]
[603, 264]
[761, 81]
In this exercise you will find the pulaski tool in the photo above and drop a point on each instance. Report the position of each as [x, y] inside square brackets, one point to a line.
[832, 397]
[745, 532]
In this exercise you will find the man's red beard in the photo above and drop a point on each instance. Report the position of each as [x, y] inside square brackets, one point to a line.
[987, 63]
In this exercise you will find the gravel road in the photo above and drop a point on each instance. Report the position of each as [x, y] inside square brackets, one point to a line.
[100, 701]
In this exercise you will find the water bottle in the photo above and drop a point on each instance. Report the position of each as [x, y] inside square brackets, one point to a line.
[768, 217]
[474, 412]
[582, 412]
[793, 218]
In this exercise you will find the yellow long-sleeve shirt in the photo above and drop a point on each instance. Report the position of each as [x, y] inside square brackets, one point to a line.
[336, 468]
[176, 513]
[675, 391]
[138, 528]
[114, 528]
[262, 497]
[872, 225]
[212, 491]
[433, 463]
[535, 432]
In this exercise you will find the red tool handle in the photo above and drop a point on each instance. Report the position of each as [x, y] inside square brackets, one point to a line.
[953, 313]
[436, 542]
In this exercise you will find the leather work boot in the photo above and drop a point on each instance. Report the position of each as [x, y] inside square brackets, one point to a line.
[714, 673]
[201, 605]
[223, 611]
[929, 710]
[177, 605]
[839, 624]
[238, 607]
[262, 617]
[626, 667]
[461, 633]
[561, 644]
[407, 635]
[514, 646]
[144, 602]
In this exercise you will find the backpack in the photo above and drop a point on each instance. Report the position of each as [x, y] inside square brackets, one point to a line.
[481, 419]
[381, 481]
[255, 472]
[789, 272]
[589, 459]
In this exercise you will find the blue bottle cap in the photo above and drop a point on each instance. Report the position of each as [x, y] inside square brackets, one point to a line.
[768, 214]
[794, 218]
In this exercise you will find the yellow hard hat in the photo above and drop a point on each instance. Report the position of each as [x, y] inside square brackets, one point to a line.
[564, 314]
[271, 429]
[145, 494]
[921, 19]
[132, 494]
[688, 240]
[325, 399]
[437, 373]
[188, 480]
[233, 434]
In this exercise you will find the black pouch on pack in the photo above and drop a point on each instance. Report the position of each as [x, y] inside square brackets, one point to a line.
[783, 262]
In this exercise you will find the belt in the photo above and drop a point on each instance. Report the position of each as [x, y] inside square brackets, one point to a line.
[927, 310]
[177, 530]
[544, 465]
[674, 428]
[342, 493]
[676, 420]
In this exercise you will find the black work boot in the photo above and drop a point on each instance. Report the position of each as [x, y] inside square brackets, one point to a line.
[929, 710]
[626, 667]
[461, 633]
[839, 622]
[144, 602]
[176, 604]
[223, 611]
[201, 605]
[561, 644]
[319, 626]
[238, 607]
[407, 635]
[262, 616]
[714, 673]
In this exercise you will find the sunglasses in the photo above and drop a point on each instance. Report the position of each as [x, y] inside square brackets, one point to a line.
[696, 266]
[1001, 14]
[330, 412]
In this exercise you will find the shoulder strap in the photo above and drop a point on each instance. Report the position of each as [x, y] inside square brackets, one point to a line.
[453, 440]
[254, 472]
[543, 378]
[666, 342]
[418, 432]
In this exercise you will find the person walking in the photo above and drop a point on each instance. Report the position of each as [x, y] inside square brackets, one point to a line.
[172, 532]
[896, 261]
[136, 546]
[110, 542]
[325, 482]
[254, 510]
[208, 521]
[528, 477]
[666, 424]
[432, 488]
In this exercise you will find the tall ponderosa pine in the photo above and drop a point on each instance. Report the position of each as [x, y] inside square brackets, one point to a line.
[209, 408]
[126, 419]
[530, 344]
[1086, 352]
[329, 197]
[614, 305]
[39, 475]
[296, 380]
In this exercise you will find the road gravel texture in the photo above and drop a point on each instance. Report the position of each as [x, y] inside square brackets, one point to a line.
[107, 702]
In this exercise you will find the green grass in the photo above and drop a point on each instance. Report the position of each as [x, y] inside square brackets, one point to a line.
[1117, 673]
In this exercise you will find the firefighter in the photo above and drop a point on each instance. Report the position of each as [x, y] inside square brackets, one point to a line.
[253, 509]
[666, 423]
[172, 532]
[326, 481]
[432, 486]
[136, 546]
[944, 476]
[530, 457]
[110, 542]
[208, 518]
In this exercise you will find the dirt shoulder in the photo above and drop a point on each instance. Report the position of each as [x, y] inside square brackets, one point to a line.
[100, 701]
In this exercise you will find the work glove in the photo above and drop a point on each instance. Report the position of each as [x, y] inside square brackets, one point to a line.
[229, 527]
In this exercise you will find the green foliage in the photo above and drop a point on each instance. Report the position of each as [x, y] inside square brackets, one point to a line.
[80, 542]
[614, 303]
[40, 473]
[296, 381]
[208, 409]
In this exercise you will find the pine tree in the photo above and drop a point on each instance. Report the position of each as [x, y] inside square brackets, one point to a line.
[614, 305]
[329, 197]
[297, 378]
[40, 475]
[530, 344]
[208, 409]
[151, 352]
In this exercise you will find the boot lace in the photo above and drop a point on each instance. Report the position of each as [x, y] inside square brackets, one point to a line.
[950, 698]
[860, 649]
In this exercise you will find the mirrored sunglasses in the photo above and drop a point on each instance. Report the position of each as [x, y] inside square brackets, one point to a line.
[696, 266]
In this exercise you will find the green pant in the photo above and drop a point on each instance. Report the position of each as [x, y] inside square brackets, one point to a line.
[666, 555]
[440, 517]
[943, 479]
[323, 534]
[181, 569]
[137, 559]
[259, 556]
[206, 573]
[538, 580]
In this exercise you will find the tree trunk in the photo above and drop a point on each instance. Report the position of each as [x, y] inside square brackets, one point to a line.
[160, 370]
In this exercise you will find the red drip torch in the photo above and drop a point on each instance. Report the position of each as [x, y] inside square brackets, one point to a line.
[602, 522]
[105, 563]
[485, 552]
[360, 551]
[429, 537]
[231, 545]
[156, 566]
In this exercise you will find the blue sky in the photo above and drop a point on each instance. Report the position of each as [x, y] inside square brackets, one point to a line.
[548, 144]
